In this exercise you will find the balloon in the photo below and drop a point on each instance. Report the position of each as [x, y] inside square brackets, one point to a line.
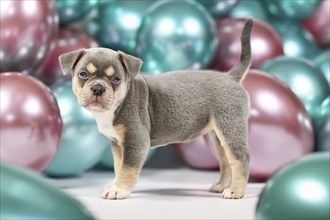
[298, 191]
[26, 195]
[176, 35]
[119, 22]
[280, 129]
[107, 159]
[30, 121]
[82, 145]
[266, 43]
[296, 41]
[323, 61]
[74, 10]
[322, 112]
[69, 39]
[293, 9]
[198, 153]
[303, 77]
[319, 24]
[323, 135]
[219, 8]
[27, 31]
[251, 8]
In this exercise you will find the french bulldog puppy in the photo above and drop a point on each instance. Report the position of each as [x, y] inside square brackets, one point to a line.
[137, 111]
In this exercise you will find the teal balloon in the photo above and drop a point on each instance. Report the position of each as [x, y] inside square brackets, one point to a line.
[303, 77]
[300, 190]
[297, 42]
[323, 61]
[176, 35]
[322, 111]
[74, 10]
[251, 8]
[107, 159]
[82, 146]
[291, 9]
[218, 8]
[26, 195]
[119, 22]
[323, 135]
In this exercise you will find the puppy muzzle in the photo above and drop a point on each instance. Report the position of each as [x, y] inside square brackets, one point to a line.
[98, 89]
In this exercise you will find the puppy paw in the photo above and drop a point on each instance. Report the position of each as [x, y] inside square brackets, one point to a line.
[217, 188]
[230, 193]
[112, 191]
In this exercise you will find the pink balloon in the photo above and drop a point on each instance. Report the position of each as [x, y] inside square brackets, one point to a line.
[266, 43]
[280, 129]
[319, 24]
[69, 39]
[198, 153]
[30, 121]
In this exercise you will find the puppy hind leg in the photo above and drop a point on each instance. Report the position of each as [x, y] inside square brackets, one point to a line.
[225, 170]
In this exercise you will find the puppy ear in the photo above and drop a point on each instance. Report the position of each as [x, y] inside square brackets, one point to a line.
[69, 60]
[131, 64]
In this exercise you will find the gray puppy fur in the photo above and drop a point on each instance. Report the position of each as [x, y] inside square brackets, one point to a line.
[138, 111]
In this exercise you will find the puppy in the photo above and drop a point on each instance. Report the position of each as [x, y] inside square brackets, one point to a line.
[138, 111]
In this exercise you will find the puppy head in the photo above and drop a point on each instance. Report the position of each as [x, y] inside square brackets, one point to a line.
[100, 76]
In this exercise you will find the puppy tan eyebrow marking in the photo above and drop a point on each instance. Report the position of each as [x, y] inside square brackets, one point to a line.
[110, 71]
[91, 68]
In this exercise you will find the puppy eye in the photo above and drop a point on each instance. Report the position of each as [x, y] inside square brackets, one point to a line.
[115, 79]
[83, 75]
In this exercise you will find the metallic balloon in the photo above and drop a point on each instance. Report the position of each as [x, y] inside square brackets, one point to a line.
[176, 35]
[303, 77]
[321, 112]
[82, 146]
[74, 10]
[323, 61]
[298, 191]
[297, 42]
[69, 39]
[280, 129]
[319, 24]
[27, 30]
[323, 135]
[265, 42]
[218, 8]
[30, 121]
[119, 22]
[199, 153]
[26, 195]
[293, 9]
[251, 8]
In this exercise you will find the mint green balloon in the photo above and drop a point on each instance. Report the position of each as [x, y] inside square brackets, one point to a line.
[26, 195]
[299, 190]
[323, 61]
[250, 8]
[176, 35]
[303, 77]
[82, 146]
[218, 8]
[322, 112]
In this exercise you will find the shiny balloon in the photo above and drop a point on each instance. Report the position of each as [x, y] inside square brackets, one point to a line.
[251, 8]
[319, 24]
[74, 10]
[176, 35]
[292, 10]
[303, 77]
[323, 135]
[299, 190]
[28, 29]
[199, 153]
[69, 39]
[297, 42]
[82, 145]
[219, 8]
[26, 195]
[321, 112]
[266, 43]
[119, 22]
[30, 121]
[323, 61]
[280, 129]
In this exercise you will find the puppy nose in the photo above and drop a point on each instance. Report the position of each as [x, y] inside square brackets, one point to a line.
[98, 89]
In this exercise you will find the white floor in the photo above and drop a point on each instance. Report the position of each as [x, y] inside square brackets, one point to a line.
[162, 194]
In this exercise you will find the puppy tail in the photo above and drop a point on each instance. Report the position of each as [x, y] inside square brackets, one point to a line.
[239, 71]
